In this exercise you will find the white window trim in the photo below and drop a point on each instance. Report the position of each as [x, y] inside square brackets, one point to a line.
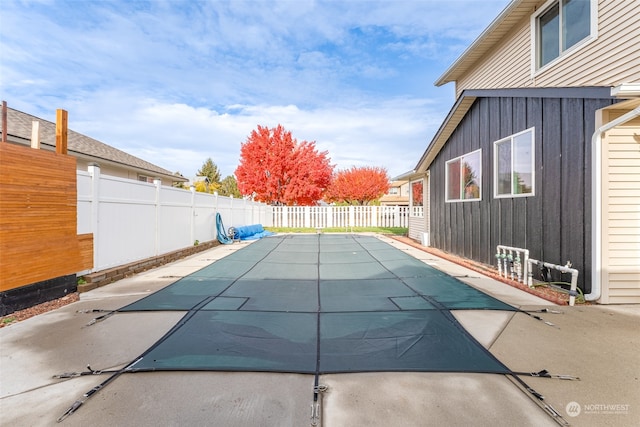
[535, 70]
[533, 164]
[446, 179]
[412, 208]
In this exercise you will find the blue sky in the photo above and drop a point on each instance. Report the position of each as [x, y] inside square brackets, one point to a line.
[175, 82]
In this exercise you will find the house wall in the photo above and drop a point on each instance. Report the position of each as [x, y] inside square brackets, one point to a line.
[621, 212]
[416, 227]
[554, 224]
[117, 171]
[418, 224]
[609, 60]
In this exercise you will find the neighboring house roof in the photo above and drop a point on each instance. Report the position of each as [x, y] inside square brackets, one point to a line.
[468, 97]
[19, 126]
[394, 200]
[514, 13]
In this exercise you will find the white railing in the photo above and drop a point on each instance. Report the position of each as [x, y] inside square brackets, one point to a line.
[132, 220]
[345, 217]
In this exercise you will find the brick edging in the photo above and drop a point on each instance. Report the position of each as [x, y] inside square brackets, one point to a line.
[110, 275]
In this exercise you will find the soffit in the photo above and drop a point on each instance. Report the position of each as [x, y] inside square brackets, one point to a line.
[513, 14]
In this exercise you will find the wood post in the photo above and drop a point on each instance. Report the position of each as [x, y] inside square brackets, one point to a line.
[35, 134]
[4, 121]
[61, 131]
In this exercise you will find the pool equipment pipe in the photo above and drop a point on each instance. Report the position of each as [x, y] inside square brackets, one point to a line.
[510, 262]
[562, 268]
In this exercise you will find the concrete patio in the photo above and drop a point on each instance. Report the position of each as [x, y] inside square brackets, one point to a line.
[598, 344]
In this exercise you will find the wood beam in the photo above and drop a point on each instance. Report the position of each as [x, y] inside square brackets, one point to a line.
[4, 121]
[61, 131]
[35, 134]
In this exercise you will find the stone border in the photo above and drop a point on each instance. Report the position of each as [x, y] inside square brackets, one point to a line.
[104, 277]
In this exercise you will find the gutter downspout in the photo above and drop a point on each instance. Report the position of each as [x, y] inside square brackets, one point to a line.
[596, 203]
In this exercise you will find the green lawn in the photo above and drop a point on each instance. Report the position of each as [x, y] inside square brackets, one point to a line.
[400, 231]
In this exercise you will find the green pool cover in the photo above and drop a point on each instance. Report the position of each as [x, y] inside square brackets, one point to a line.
[319, 304]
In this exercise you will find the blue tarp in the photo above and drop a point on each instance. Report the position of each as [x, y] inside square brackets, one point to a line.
[251, 232]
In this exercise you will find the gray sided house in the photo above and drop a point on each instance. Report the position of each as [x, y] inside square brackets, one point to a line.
[541, 149]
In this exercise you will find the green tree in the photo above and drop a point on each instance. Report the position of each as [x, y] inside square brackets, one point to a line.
[178, 184]
[229, 187]
[209, 170]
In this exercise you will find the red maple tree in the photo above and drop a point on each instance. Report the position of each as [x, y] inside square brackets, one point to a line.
[277, 169]
[358, 185]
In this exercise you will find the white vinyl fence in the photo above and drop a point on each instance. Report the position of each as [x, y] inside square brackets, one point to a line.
[133, 220]
[340, 216]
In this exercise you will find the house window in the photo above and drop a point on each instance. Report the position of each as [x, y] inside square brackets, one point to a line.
[417, 195]
[514, 161]
[562, 25]
[464, 177]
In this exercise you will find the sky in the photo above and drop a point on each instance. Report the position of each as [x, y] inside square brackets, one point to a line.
[176, 82]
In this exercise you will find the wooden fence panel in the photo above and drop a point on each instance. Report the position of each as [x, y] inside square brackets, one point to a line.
[38, 226]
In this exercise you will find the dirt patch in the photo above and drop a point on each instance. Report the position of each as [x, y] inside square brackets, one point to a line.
[543, 292]
[20, 315]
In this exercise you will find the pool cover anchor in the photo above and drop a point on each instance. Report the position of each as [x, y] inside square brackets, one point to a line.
[534, 316]
[89, 371]
[545, 374]
[315, 406]
[540, 400]
[98, 319]
[78, 403]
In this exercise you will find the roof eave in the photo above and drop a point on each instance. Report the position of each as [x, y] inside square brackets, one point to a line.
[482, 43]
[457, 112]
[469, 96]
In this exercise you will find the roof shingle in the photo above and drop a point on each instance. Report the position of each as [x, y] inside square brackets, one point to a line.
[19, 125]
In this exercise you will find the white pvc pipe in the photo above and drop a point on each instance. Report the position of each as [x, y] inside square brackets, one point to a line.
[523, 275]
[563, 269]
[596, 203]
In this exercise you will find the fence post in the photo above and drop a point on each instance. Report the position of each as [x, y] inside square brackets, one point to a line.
[396, 216]
[352, 216]
[193, 213]
[94, 171]
[285, 216]
[307, 216]
[158, 183]
[374, 215]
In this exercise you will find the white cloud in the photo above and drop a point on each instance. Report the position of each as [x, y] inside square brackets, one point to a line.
[177, 82]
[180, 137]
